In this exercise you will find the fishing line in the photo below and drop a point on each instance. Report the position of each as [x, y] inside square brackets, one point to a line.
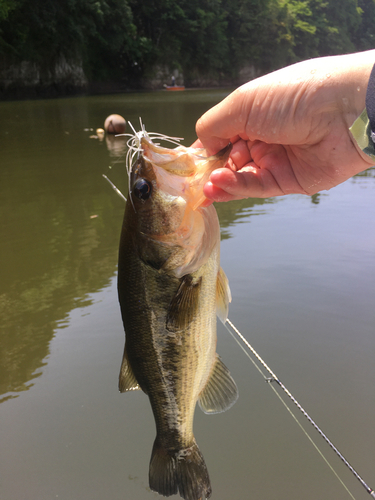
[114, 187]
[236, 334]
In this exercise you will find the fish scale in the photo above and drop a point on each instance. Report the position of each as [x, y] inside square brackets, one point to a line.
[170, 285]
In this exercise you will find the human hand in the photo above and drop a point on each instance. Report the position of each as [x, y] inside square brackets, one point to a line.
[289, 129]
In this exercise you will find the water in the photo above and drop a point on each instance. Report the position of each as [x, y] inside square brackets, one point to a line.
[302, 274]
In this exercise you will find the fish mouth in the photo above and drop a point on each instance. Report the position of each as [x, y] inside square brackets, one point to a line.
[179, 161]
[183, 171]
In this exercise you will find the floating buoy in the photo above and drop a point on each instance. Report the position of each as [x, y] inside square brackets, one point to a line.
[115, 124]
[100, 133]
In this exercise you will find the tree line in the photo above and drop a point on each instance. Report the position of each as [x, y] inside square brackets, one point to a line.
[128, 39]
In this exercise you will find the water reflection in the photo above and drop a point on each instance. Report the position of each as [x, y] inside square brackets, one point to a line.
[315, 198]
[49, 274]
[53, 254]
[116, 145]
[230, 214]
[60, 221]
[302, 282]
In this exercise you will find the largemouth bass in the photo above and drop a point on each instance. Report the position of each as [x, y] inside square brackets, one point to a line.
[170, 287]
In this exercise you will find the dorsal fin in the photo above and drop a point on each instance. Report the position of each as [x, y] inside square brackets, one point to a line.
[220, 392]
[223, 296]
[127, 381]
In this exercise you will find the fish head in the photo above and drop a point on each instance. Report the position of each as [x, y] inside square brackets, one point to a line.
[166, 196]
[183, 171]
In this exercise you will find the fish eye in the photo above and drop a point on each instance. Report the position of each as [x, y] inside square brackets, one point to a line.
[142, 189]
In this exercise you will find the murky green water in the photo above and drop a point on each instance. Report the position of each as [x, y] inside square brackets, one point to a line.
[302, 274]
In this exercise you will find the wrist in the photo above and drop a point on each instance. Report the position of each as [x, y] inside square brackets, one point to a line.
[360, 134]
[363, 129]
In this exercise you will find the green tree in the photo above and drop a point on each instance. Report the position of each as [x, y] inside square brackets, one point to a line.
[312, 28]
[187, 35]
[344, 19]
[128, 39]
[158, 28]
[251, 32]
[205, 42]
[98, 33]
[5, 7]
[364, 37]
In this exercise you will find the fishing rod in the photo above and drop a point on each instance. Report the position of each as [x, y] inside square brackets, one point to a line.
[236, 334]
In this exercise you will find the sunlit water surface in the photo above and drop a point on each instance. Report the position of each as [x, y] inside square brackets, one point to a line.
[302, 274]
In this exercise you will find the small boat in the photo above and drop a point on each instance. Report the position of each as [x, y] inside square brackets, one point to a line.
[174, 87]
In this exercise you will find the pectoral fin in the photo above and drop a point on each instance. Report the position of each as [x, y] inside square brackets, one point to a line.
[127, 381]
[223, 296]
[220, 392]
[184, 304]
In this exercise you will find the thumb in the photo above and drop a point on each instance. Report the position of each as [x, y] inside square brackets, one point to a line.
[222, 124]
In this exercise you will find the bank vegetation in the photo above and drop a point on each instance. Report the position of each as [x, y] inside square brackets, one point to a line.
[55, 46]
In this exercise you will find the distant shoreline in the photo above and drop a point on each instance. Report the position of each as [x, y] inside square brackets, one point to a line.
[20, 93]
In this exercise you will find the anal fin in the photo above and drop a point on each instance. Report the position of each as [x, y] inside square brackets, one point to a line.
[220, 392]
[127, 381]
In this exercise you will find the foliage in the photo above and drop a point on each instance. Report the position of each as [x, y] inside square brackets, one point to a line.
[128, 39]
[365, 35]
[5, 7]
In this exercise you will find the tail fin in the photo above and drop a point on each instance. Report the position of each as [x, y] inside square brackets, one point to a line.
[182, 471]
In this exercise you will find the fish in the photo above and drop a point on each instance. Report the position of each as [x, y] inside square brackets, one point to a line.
[170, 288]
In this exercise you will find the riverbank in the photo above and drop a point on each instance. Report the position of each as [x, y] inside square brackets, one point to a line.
[30, 81]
